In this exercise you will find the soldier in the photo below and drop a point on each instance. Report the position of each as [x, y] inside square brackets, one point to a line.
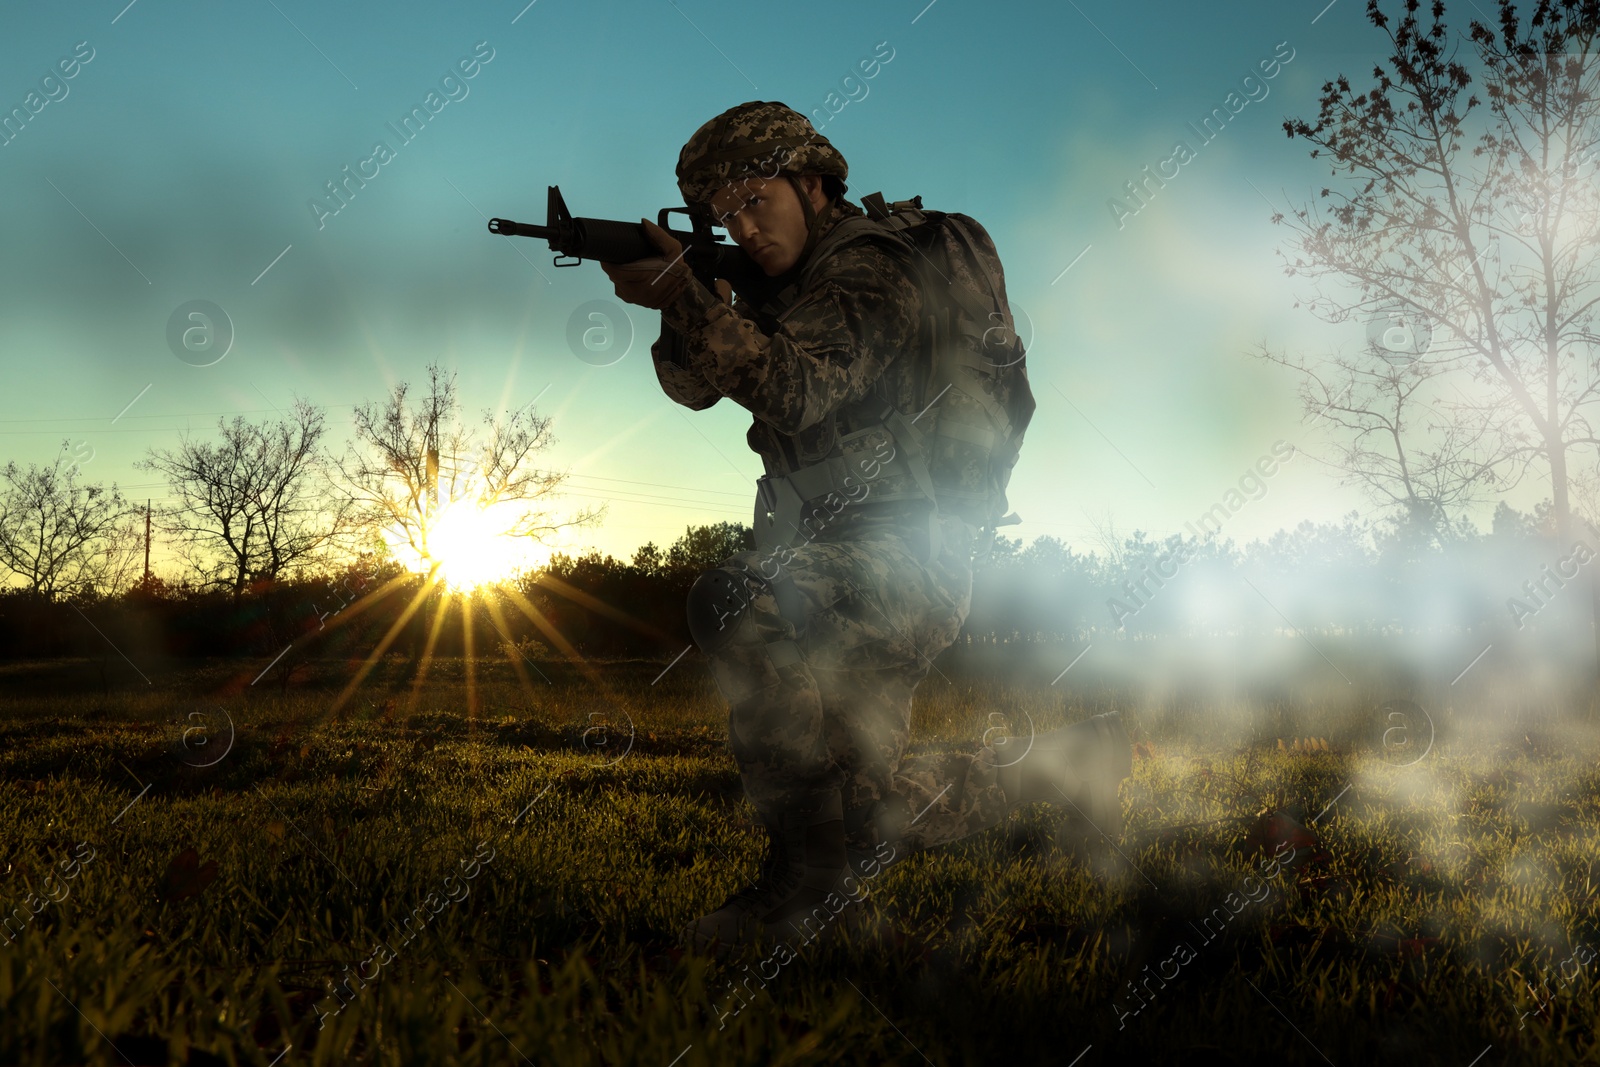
[818, 639]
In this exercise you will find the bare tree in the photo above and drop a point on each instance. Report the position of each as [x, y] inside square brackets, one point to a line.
[411, 461]
[254, 504]
[1113, 548]
[1488, 249]
[62, 538]
[119, 563]
[1425, 471]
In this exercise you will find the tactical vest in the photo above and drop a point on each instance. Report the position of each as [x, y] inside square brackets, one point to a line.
[956, 449]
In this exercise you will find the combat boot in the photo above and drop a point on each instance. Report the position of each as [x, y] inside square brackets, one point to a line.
[805, 866]
[756, 897]
[1078, 768]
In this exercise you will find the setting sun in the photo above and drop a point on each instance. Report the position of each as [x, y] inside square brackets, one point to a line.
[472, 545]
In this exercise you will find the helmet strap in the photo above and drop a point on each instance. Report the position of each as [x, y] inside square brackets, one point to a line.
[815, 220]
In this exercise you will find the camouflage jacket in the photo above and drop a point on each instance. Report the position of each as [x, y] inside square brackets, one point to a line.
[811, 374]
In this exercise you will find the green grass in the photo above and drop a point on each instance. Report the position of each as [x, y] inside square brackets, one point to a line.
[1434, 895]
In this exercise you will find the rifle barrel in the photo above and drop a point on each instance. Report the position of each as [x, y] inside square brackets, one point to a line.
[520, 229]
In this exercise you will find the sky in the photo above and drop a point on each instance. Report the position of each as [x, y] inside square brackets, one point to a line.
[184, 158]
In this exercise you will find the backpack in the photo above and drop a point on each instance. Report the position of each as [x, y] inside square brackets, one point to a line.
[971, 381]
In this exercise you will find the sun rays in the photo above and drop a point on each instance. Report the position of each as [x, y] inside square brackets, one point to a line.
[469, 545]
[462, 521]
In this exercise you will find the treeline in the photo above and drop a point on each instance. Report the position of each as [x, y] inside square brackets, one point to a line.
[594, 605]
[1350, 577]
[262, 504]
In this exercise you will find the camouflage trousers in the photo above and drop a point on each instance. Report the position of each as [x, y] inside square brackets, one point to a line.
[839, 714]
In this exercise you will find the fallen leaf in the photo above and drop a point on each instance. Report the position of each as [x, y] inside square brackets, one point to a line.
[1415, 946]
[1335, 887]
[186, 876]
[1275, 829]
[1292, 935]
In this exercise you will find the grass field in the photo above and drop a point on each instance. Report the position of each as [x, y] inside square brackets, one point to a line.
[491, 873]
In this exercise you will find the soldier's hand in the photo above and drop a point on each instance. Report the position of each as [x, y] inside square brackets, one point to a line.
[656, 281]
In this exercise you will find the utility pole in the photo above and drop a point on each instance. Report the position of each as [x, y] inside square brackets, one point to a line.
[147, 543]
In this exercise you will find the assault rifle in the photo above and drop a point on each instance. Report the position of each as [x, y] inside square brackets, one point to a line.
[577, 239]
[706, 253]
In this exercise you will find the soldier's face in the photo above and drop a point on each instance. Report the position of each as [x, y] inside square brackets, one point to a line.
[766, 219]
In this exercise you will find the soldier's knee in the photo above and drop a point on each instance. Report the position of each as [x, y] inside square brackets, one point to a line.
[719, 602]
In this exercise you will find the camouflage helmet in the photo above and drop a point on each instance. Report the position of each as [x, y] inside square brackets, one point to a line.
[759, 138]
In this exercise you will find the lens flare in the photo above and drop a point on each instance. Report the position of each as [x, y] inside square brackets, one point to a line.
[471, 545]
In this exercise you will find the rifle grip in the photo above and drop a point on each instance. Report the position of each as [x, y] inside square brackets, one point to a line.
[673, 348]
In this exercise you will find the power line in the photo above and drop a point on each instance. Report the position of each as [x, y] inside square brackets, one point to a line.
[659, 485]
[660, 504]
[637, 493]
[717, 508]
[167, 415]
[77, 431]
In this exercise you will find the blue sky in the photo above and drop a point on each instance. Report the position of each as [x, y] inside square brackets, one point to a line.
[179, 163]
